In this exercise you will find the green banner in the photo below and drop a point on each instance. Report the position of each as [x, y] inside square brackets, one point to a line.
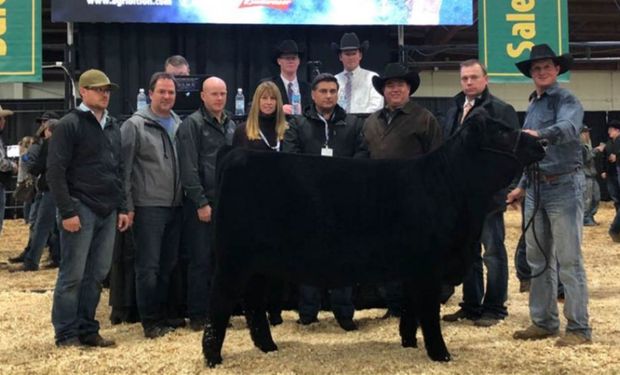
[20, 40]
[507, 30]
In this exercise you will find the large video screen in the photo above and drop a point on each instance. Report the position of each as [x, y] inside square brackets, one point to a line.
[284, 12]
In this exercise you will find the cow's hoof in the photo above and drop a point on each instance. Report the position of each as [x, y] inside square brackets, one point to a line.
[270, 347]
[440, 357]
[213, 361]
[409, 343]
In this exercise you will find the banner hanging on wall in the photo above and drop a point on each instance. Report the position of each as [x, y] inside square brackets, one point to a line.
[507, 30]
[279, 12]
[20, 41]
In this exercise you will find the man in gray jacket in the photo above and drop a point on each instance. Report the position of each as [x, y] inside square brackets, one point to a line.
[153, 191]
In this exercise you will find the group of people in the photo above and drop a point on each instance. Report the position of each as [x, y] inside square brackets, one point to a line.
[155, 174]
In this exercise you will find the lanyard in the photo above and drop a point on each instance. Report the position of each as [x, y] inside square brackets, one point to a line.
[326, 130]
[276, 148]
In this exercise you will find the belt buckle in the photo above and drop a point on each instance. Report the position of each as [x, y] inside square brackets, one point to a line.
[550, 178]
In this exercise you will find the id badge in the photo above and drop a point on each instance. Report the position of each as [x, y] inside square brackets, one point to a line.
[326, 151]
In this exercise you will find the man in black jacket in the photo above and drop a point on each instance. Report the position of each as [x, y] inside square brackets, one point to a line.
[199, 137]
[484, 307]
[325, 129]
[84, 174]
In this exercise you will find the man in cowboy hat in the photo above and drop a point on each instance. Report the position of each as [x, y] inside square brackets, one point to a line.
[8, 167]
[288, 56]
[356, 94]
[401, 130]
[556, 115]
[486, 306]
[85, 176]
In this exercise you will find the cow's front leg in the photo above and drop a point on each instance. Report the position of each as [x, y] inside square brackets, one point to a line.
[217, 322]
[408, 324]
[426, 303]
[255, 315]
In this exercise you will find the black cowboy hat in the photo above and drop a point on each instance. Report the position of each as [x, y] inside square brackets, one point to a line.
[396, 71]
[350, 42]
[614, 124]
[287, 47]
[543, 52]
[47, 115]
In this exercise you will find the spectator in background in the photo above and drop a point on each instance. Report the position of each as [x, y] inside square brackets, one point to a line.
[177, 65]
[592, 193]
[7, 167]
[43, 226]
[356, 94]
[610, 152]
[288, 57]
[25, 179]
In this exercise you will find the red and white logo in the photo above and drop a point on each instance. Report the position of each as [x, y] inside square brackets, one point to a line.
[273, 4]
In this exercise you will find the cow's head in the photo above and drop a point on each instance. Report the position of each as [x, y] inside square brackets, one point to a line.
[495, 136]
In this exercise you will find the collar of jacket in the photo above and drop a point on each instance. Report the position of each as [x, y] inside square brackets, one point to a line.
[406, 109]
[211, 120]
[88, 115]
[338, 116]
[460, 98]
[551, 90]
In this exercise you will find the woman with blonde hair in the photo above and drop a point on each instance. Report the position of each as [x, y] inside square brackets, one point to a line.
[264, 131]
[265, 126]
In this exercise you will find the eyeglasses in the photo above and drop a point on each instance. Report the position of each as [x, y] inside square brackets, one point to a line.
[100, 90]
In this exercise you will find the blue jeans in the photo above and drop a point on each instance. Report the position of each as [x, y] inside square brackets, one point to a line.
[613, 187]
[157, 232]
[340, 298]
[592, 197]
[200, 265]
[491, 302]
[43, 226]
[558, 225]
[84, 264]
[2, 205]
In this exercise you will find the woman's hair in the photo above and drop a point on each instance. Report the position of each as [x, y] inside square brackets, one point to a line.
[25, 143]
[252, 125]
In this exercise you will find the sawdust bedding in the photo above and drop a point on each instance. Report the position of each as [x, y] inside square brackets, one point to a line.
[27, 341]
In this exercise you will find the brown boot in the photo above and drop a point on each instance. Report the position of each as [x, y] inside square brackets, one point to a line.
[533, 332]
[572, 339]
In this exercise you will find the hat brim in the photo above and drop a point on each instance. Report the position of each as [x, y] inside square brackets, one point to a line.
[412, 78]
[363, 47]
[278, 54]
[6, 112]
[565, 62]
[112, 85]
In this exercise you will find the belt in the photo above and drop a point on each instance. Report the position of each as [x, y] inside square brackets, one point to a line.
[549, 178]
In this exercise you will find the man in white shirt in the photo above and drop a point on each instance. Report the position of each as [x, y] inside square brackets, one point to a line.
[356, 94]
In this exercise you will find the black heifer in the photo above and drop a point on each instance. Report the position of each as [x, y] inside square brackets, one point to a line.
[334, 222]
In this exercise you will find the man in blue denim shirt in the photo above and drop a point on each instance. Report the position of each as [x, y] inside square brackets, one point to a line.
[554, 114]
